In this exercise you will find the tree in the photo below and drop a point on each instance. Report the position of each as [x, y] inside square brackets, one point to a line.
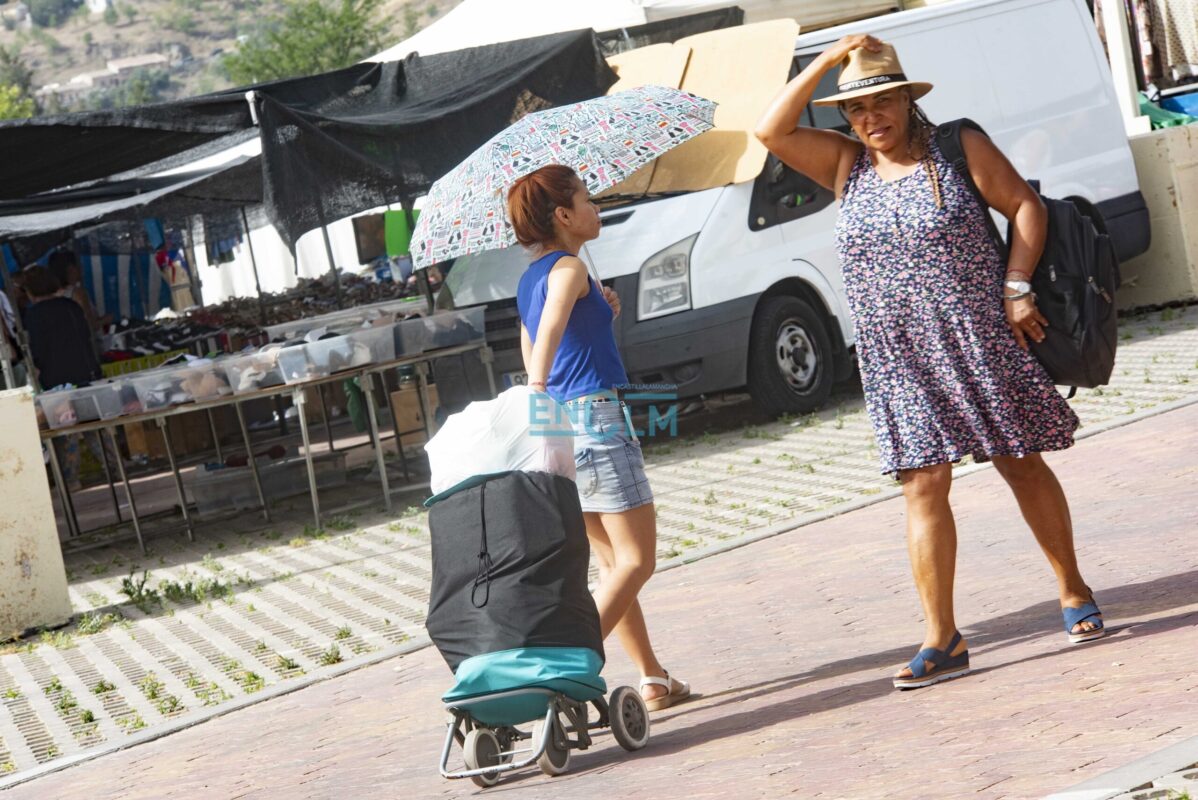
[13, 69]
[14, 104]
[130, 12]
[308, 37]
[49, 13]
[110, 17]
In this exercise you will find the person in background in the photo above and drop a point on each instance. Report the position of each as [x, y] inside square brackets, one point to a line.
[65, 267]
[60, 342]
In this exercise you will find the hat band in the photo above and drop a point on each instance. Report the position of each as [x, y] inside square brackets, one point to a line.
[894, 77]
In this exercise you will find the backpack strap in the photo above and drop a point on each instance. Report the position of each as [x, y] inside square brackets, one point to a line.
[948, 137]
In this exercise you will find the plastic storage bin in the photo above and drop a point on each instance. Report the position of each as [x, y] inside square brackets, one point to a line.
[64, 408]
[253, 371]
[294, 364]
[330, 355]
[204, 380]
[372, 345]
[453, 328]
[410, 337]
[110, 398]
[160, 388]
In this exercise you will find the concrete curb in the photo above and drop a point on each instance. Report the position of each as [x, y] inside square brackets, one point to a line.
[1137, 773]
[1169, 760]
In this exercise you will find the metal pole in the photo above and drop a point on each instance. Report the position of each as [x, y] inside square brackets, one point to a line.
[249, 241]
[189, 245]
[215, 436]
[328, 249]
[421, 370]
[488, 358]
[120, 468]
[108, 475]
[249, 449]
[64, 494]
[324, 414]
[170, 454]
[1118, 42]
[368, 393]
[297, 398]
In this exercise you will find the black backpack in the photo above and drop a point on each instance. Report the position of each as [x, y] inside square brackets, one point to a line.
[1074, 281]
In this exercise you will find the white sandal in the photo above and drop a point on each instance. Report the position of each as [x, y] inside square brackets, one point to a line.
[676, 690]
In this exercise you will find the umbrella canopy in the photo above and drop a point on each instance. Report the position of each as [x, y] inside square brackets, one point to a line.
[604, 140]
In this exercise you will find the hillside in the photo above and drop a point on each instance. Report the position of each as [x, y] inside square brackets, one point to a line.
[192, 36]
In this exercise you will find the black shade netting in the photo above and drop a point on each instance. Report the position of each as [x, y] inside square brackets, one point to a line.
[510, 560]
[421, 118]
[668, 31]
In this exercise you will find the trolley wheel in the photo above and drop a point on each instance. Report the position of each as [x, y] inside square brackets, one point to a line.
[481, 749]
[629, 718]
[556, 759]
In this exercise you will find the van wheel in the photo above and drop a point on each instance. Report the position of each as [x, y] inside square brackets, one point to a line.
[790, 358]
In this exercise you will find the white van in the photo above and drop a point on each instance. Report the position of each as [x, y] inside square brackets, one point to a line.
[739, 286]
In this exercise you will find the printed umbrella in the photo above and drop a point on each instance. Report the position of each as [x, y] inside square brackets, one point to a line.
[605, 140]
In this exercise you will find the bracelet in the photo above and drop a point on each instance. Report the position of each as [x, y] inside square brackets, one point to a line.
[1019, 296]
[1019, 274]
[537, 383]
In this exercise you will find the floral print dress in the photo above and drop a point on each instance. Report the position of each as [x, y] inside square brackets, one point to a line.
[943, 375]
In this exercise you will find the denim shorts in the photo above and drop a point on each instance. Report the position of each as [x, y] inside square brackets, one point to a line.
[611, 469]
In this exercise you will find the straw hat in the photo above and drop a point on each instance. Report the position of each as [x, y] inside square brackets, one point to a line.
[864, 72]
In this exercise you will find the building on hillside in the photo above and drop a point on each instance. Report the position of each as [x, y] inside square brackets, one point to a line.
[123, 66]
[98, 6]
[101, 79]
[18, 16]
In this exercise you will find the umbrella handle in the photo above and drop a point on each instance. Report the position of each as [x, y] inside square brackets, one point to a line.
[588, 262]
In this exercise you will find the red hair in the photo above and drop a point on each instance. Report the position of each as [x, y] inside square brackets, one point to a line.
[533, 198]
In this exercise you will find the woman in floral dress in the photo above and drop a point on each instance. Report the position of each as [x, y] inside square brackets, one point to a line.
[942, 324]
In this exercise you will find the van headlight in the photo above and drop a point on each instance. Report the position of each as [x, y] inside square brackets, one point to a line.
[665, 281]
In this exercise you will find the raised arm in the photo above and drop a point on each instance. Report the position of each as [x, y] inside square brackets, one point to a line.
[567, 284]
[824, 156]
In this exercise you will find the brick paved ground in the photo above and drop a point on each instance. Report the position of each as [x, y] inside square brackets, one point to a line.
[791, 641]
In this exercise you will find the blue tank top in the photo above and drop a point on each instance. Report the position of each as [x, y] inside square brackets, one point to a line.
[587, 360]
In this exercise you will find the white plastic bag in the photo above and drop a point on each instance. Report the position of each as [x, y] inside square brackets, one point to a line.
[519, 430]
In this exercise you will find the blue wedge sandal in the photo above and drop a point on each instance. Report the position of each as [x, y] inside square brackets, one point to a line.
[1087, 612]
[944, 666]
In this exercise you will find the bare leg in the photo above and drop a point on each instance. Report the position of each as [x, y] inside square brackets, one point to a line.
[1046, 511]
[625, 547]
[932, 547]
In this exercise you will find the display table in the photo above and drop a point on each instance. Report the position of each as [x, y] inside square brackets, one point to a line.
[420, 363]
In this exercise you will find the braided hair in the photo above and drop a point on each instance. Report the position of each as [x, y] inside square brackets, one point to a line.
[920, 130]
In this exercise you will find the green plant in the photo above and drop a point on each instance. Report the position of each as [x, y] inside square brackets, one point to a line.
[710, 499]
[343, 633]
[55, 685]
[86, 715]
[138, 594]
[102, 686]
[197, 591]
[131, 722]
[331, 656]
[150, 686]
[287, 664]
[168, 705]
[11, 693]
[91, 623]
[66, 701]
[298, 541]
[342, 523]
[252, 682]
[58, 639]
[211, 564]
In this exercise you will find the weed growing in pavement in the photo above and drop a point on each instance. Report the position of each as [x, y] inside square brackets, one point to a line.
[168, 705]
[287, 664]
[342, 523]
[331, 656]
[52, 751]
[66, 701]
[198, 591]
[86, 715]
[710, 499]
[7, 767]
[1167, 315]
[753, 432]
[60, 640]
[273, 535]
[11, 693]
[412, 511]
[99, 569]
[252, 682]
[191, 681]
[150, 686]
[298, 541]
[131, 722]
[312, 532]
[135, 589]
[90, 623]
[211, 564]
[102, 687]
[95, 598]
[55, 685]
[343, 633]
[710, 438]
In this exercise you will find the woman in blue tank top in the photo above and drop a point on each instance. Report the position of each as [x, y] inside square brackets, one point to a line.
[570, 353]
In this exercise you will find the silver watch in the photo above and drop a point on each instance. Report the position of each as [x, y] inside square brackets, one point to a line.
[1023, 287]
